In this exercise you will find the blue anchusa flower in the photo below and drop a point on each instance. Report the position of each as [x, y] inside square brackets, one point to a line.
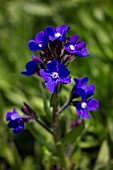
[15, 121]
[54, 74]
[57, 33]
[32, 66]
[75, 47]
[39, 43]
[87, 104]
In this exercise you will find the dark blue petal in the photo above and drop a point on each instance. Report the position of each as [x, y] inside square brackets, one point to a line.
[13, 123]
[89, 90]
[81, 83]
[52, 66]
[73, 39]
[78, 108]
[39, 37]
[8, 115]
[33, 46]
[82, 52]
[81, 93]
[76, 81]
[31, 68]
[79, 45]
[81, 112]
[63, 71]
[62, 29]
[50, 31]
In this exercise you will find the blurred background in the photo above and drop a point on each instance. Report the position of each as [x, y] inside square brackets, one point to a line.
[20, 21]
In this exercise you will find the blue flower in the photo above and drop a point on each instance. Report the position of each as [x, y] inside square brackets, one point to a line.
[54, 74]
[39, 43]
[15, 121]
[87, 104]
[31, 66]
[75, 47]
[57, 33]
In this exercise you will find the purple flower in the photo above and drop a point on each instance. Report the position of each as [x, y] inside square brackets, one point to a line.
[76, 47]
[54, 75]
[31, 66]
[57, 33]
[85, 92]
[39, 43]
[82, 89]
[15, 121]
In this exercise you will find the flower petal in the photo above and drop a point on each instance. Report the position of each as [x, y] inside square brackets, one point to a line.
[82, 112]
[81, 83]
[81, 93]
[36, 59]
[82, 52]
[62, 29]
[33, 46]
[50, 85]
[92, 104]
[31, 68]
[52, 66]
[63, 71]
[73, 39]
[50, 31]
[39, 36]
[8, 115]
[89, 90]
[66, 80]
[79, 45]
[45, 74]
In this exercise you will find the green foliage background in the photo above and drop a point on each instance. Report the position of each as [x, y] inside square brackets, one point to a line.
[20, 20]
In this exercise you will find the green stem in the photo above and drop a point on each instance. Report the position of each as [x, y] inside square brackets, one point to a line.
[64, 107]
[55, 125]
[56, 135]
[61, 155]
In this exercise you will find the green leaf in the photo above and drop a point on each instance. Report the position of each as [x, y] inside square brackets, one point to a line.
[72, 135]
[103, 157]
[110, 126]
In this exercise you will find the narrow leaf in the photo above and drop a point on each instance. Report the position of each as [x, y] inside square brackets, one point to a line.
[72, 135]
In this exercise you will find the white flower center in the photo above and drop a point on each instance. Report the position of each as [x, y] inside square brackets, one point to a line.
[54, 75]
[83, 105]
[40, 45]
[72, 47]
[57, 34]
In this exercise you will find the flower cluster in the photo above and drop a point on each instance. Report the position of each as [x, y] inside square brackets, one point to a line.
[56, 51]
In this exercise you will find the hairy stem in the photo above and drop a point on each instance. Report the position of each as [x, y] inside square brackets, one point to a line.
[59, 147]
[55, 125]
